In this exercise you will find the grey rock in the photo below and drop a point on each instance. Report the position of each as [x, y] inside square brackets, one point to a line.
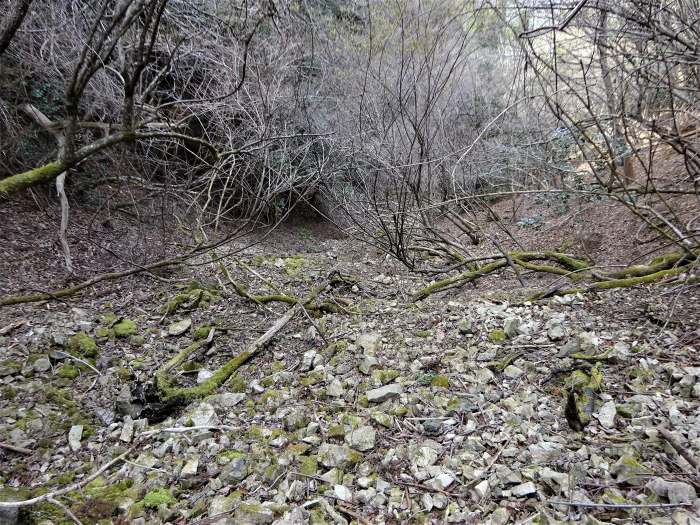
[179, 327]
[676, 491]
[511, 327]
[513, 372]
[467, 326]
[203, 414]
[203, 374]
[253, 514]
[330, 455]
[307, 360]
[42, 364]
[335, 389]
[74, 436]
[367, 364]
[235, 471]
[524, 489]
[227, 400]
[606, 414]
[432, 427]
[293, 517]
[369, 343]
[423, 456]
[361, 438]
[190, 468]
[296, 491]
[482, 489]
[342, 493]
[377, 395]
[295, 419]
[127, 433]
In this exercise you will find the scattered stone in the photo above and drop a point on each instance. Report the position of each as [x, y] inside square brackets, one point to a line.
[606, 414]
[236, 470]
[423, 456]
[127, 433]
[227, 400]
[330, 455]
[677, 492]
[74, 436]
[361, 438]
[524, 489]
[342, 493]
[511, 327]
[513, 372]
[482, 489]
[190, 468]
[367, 364]
[378, 395]
[43, 364]
[369, 343]
[335, 389]
[307, 360]
[203, 374]
[253, 514]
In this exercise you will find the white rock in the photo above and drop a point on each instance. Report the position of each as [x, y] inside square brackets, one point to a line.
[342, 493]
[335, 389]
[524, 489]
[482, 489]
[74, 436]
[203, 375]
[190, 468]
[606, 414]
[676, 491]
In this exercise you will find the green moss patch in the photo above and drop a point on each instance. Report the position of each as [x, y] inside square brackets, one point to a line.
[83, 344]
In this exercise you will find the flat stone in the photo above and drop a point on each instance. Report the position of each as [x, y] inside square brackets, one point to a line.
[367, 364]
[677, 492]
[203, 374]
[330, 455]
[253, 514]
[513, 372]
[127, 433]
[524, 489]
[342, 493]
[227, 400]
[235, 471]
[378, 395]
[203, 414]
[422, 457]
[74, 436]
[190, 468]
[179, 327]
[606, 414]
[335, 389]
[361, 438]
[369, 343]
[482, 489]
[307, 360]
[43, 364]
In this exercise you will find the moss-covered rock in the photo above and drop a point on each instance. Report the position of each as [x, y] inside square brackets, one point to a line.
[68, 371]
[156, 497]
[83, 344]
[124, 328]
[440, 381]
[497, 336]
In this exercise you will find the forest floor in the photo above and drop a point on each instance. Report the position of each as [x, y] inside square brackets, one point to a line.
[449, 410]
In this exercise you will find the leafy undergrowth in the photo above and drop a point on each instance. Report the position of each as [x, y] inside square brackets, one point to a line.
[459, 409]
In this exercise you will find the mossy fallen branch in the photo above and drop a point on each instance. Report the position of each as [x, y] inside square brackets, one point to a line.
[172, 395]
[280, 297]
[575, 270]
[65, 292]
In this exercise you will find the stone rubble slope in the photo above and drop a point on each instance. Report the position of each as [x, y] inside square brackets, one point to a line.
[450, 411]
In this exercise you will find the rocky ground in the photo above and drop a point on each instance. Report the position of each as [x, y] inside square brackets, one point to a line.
[468, 407]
